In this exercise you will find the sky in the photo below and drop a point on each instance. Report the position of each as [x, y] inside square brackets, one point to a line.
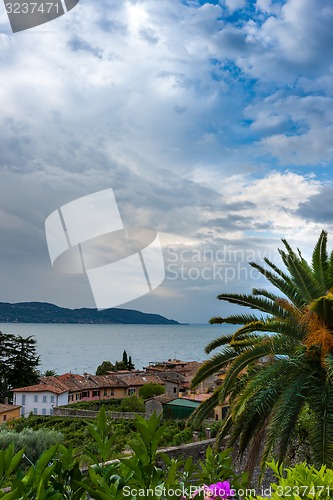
[211, 121]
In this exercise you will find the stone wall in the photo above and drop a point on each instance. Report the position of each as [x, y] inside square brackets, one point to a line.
[72, 412]
[195, 450]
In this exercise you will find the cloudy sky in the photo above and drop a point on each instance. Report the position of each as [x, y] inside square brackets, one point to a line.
[211, 121]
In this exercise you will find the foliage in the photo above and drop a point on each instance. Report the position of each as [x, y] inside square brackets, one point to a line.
[112, 404]
[107, 366]
[76, 434]
[18, 363]
[50, 373]
[150, 390]
[33, 442]
[300, 482]
[280, 361]
[73, 430]
[217, 467]
[56, 475]
[102, 434]
[130, 364]
[132, 404]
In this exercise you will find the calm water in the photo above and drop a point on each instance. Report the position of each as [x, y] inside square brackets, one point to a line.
[81, 348]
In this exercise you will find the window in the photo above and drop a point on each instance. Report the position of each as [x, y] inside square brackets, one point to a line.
[106, 392]
[23, 399]
[85, 394]
[35, 398]
[131, 391]
[174, 390]
[4, 418]
[77, 397]
[35, 411]
[44, 399]
[95, 394]
[112, 392]
[52, 399]
[43, 411]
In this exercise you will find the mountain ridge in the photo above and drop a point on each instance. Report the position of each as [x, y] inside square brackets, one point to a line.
[44, 312]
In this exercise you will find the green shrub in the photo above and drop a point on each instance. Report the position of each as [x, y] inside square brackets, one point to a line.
[33, 442]
[56, 474]
[132, 404]
[300, 481]
[148, 391]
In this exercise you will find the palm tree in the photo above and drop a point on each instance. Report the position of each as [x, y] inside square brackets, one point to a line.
[294, 335]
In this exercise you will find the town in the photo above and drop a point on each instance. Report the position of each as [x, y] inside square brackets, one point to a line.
[54, 394]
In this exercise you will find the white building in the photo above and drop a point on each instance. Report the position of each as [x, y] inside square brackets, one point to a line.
[40, 399]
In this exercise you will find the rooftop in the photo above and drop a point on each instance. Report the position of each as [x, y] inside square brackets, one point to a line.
[41, 388]
[188, 403]
[5, 408]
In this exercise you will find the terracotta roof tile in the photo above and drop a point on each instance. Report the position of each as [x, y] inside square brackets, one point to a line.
[138, 380]
[5, 408]
[40, 388]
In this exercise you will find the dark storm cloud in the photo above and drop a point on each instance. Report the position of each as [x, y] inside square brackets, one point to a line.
[318, 208]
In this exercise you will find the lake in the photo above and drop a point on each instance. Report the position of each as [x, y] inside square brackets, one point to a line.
[81, 348]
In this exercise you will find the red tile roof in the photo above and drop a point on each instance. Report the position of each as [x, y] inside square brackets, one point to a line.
[5, 408]
[40, 388]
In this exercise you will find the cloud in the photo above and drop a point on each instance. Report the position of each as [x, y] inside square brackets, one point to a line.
[318, 208]
[233, 5]
[207, 120]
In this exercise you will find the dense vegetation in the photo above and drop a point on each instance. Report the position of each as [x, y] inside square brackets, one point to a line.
[34, 442]
[75, 432]
[106, 366]
[281, 362]
[146, 473]
[18, 363]
[150, 390]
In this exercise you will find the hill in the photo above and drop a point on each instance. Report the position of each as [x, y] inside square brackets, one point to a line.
[42, 312]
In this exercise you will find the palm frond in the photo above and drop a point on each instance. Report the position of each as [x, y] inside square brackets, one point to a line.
[268, 346]
[301, 276]
[205, 409]
[294, 336]
[213, 365]
[320, 402]
[219, 342]
[320, 263]
[328, 366]
[236, 319]
[285, 285]
[261, 304]
[285, 413]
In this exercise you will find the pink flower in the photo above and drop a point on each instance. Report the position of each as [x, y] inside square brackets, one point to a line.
[221, 490]
[218, 491]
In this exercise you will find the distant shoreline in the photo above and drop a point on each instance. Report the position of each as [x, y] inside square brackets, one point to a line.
[45, 313]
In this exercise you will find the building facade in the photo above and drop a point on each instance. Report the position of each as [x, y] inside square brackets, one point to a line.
[39, 399]
[9, 412]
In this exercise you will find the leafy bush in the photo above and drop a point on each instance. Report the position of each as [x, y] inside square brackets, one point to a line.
[105, 367]
[111, 404]
[33, 442]
[132, 404]
[300, 481]
[150, 390]
[57, 476]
